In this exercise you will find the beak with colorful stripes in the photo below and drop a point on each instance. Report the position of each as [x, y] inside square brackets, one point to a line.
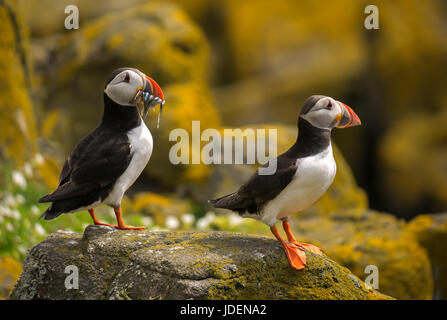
[150, 96]
[348, 118]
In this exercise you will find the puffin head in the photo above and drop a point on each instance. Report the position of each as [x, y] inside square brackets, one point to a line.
[326, 113]
[129, 87]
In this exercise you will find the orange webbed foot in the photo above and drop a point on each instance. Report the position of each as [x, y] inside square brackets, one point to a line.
[295, 255]
[309, 247]
[124, 227]
[121, 225]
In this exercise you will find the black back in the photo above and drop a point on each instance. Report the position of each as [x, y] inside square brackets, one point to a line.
[96, 162]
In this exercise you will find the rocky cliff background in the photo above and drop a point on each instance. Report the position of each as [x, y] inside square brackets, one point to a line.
[246, 64]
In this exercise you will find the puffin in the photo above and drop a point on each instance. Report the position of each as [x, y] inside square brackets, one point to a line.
[105, 163]
[303, 174]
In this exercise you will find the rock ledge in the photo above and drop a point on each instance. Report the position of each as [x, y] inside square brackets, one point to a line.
[178, 265]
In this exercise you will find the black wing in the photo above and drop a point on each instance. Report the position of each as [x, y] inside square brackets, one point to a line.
[260, 189]
[96, 161]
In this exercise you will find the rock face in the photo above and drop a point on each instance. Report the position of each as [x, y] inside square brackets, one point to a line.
[10, 271]
[359, 238]
[431, 232]
[179, 265]
[18, 133]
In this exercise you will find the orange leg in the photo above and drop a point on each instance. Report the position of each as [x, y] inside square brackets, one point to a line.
[121, 224]
[296, 255]
[95, 221]
[291, 238]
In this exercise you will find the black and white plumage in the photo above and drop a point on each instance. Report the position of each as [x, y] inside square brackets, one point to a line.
[105, 163]
[303, 173]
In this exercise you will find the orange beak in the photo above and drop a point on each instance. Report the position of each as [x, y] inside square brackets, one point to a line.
[348, 118]
[155, 89]
[152, 95]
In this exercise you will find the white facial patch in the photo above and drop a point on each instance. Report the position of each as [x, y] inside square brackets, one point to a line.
[123, 88]
[324, 113]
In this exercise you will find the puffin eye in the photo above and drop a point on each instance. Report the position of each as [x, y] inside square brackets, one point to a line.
[127, 77]
[329, 106]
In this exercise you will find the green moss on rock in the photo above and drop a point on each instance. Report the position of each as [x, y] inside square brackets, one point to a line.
[180, 265]
[431, 232]
[17, 122]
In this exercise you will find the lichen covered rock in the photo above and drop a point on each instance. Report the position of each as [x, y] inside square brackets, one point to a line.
[358, 238]
[17, 121]
[179, 265]
[10, 271]
[431, 232]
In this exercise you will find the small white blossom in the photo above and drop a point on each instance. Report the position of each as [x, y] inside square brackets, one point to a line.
[206, 220]
[172, 222]
[187, 218]
[5, 211]
[39, 159]
[10, 200]
[21, 249]
[147, 221]
[35, 210]
[39, 229]
[28, 170]
[235, 219]
[19, 179]
[20, 199]
[9, 227]
[15, 214]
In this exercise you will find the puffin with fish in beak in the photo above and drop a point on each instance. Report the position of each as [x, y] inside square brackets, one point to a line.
[302, 175]
[104, 164]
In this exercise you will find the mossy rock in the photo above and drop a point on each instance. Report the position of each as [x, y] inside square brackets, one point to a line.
[10, 271]
[358, 238]
[431, 232]
[18, 134]
[179, 265]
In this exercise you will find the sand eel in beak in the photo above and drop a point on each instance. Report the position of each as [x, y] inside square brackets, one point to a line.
[105, 163]
[149, 95]
[302, 176]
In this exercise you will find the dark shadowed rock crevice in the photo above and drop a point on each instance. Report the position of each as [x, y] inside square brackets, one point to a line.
[178, 265]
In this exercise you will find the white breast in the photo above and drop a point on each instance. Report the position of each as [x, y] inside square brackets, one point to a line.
[314, 176]
[141, 145]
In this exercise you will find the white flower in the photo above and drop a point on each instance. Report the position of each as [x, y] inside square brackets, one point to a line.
[39, 159]
[39, 229]
[35, 210]
[15, 214]
[9, 227]
[21, 249]
[20, 199]
[206, 220]
[18, 179]
[172, 222]
[147, 221]
[235, 219]
[28, 170]
[187, 218]
[4, 211]
[9, 200]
